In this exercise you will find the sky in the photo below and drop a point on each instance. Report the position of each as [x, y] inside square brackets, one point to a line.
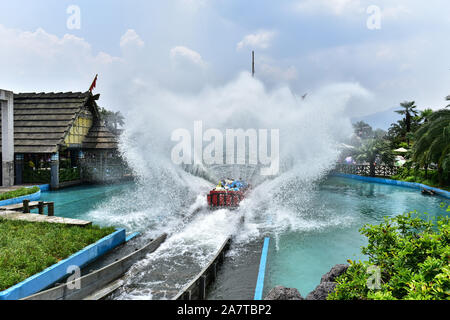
[392, 50]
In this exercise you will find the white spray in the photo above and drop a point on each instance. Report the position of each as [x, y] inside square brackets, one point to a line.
[169, 199]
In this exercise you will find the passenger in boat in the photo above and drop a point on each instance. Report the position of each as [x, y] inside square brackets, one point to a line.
[220, 187]
[428, 192]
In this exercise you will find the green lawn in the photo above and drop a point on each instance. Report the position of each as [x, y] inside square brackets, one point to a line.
[27, 248]
[18, 193]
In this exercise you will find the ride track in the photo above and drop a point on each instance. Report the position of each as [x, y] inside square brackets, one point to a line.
[181, 268]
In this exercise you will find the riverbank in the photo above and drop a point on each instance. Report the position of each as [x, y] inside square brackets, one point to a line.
[326, 235]
[407, 260]
[390, 181]
[17, 193]
[425, 182]
[428, 178]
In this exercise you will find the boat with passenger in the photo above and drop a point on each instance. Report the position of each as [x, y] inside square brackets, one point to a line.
[228, 193]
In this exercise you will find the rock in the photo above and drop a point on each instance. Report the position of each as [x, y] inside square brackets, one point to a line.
[283, 293]
[322, 291]
[327, 284]
[335, 272]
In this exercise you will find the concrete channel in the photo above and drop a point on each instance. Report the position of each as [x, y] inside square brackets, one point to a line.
[100, 283]
[197, 288]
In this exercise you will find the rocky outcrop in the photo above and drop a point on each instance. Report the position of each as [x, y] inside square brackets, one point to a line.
[327, 284]
[335, 272]
[283, 293]
[322, 291]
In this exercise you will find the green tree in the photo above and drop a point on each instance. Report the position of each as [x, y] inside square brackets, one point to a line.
[425, 115]
[397, 133]
[410, 113]
[379, 134]
[117, 119]
[363, 130]
[112, 119]
[374, 150]
[433, 143]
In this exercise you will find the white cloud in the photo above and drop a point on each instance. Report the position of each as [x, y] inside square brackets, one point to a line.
[407, 60]
[131, 38]
[336, 7]
[395, 12]
[181, 54]
[39, 61]
[261, 39]
[193, 5]
[352, 7]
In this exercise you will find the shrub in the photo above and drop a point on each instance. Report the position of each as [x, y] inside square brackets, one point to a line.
[44, 176]
[412, 254]
[36, 176]
[405, 174]
[69, 174]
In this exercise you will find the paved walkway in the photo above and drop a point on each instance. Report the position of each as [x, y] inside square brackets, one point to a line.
[32, 217]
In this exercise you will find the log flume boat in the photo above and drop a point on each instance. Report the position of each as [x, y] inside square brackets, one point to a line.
[227, 194]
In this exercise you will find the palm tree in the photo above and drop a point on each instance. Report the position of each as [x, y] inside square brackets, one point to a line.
[397, 132]
[447, 99]
[409, 111]
[112, 118]
[433, 142]
[379, 134]
[425, 115]
[117, 118]
[363, 130]
[373, 150]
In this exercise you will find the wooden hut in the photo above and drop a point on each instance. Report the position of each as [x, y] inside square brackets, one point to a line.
[54, 133]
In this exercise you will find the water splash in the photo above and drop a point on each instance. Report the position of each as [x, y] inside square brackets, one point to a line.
[172, 199]
[310, 132]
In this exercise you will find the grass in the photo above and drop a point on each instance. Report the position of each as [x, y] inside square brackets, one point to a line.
[422, 180]
[27, 248]
[413, 175]
[18, 193]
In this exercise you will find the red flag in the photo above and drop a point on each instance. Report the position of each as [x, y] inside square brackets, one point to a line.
[94, 83]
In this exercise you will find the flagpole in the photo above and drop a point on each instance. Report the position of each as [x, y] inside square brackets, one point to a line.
[253, 63]
[94, 83]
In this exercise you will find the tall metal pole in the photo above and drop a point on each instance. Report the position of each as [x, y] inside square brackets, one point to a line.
[253, 63]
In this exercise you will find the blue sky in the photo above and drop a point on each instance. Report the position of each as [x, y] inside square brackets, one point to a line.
[187, 45]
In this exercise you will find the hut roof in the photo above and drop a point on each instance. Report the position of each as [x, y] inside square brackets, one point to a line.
[99, 137]
[42, 120]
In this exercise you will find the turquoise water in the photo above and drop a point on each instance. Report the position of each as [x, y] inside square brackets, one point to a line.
[78, 202]
[299, 258]
[323, 233]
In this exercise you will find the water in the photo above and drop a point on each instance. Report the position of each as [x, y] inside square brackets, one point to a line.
[78, 202]
[299, 258]
[312, 226]
[315, 229]
[171, 198]
[195, 232]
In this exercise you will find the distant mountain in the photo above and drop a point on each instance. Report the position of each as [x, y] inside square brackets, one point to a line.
[380, 120]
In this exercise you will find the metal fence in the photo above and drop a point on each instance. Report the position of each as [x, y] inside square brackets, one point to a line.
[364, 170]
[104, 170]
